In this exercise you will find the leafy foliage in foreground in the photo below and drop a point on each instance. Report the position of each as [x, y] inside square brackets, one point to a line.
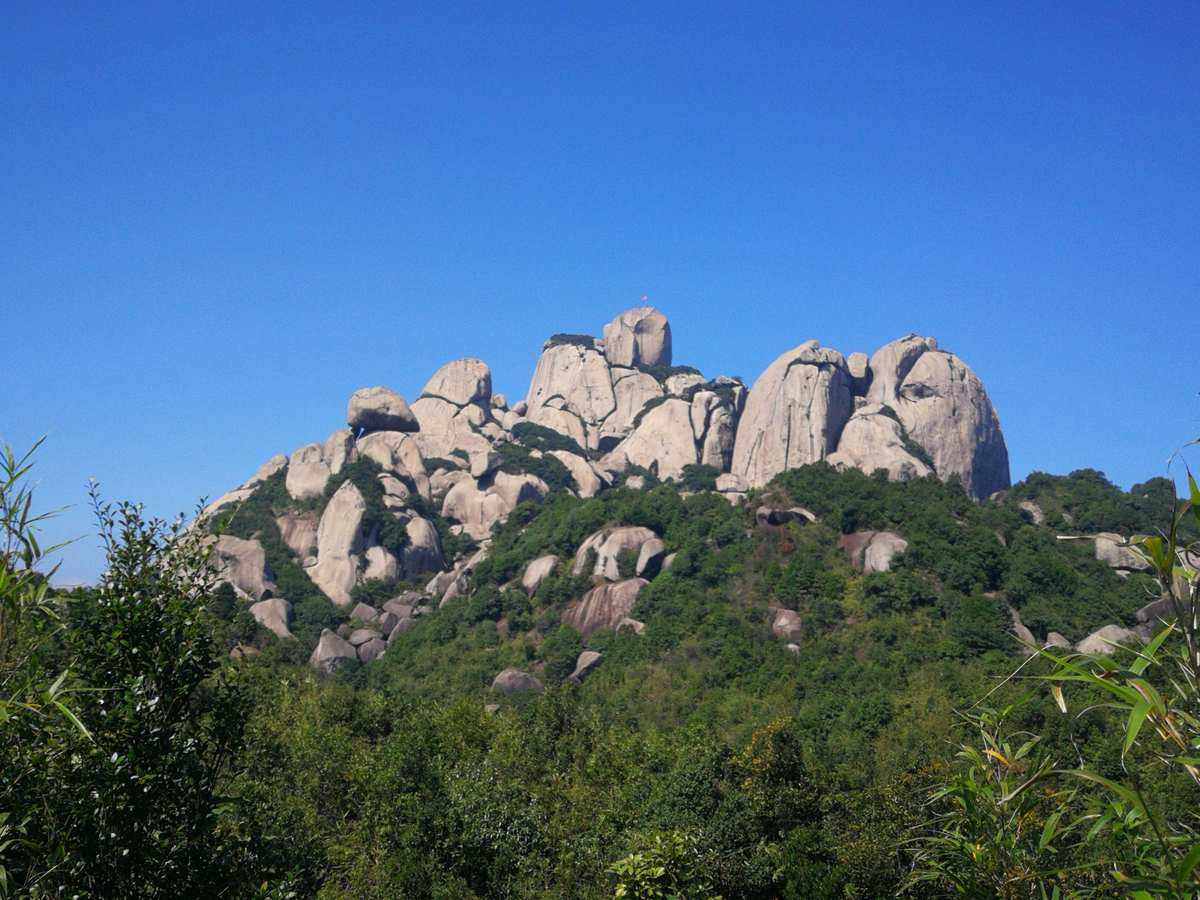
[700, 758]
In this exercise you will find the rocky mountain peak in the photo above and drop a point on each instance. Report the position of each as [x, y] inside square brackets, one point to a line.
[603, 411]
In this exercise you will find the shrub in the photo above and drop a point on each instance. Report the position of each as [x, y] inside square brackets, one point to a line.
[539, 437]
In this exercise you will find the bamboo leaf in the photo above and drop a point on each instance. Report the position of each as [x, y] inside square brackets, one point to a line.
[1188, 863]
[1136, 719]
[73, 719]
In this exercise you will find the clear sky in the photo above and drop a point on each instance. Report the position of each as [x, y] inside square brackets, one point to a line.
[215, 225]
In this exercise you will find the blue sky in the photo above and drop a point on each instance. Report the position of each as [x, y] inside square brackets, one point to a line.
[216, 225]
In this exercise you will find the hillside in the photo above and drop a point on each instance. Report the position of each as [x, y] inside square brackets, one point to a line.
[641, 634]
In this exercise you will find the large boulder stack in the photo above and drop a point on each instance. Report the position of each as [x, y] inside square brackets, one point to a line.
[379, 409]
[340, 543]
[638, 337]
[332, 653]
[619, 393]
[875, 439]
[794, 414]
[944, 410]
[912, 410]
[608, 545]
[275, 615]
[455, 408]
[243, 564]
[604, 606]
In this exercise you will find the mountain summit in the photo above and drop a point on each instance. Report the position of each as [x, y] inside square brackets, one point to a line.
[602, 411]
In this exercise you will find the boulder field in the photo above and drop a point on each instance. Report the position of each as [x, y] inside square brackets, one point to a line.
[598, 412]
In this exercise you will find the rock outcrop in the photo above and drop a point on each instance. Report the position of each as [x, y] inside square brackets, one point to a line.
[943, 409]
[379, 409]
[332, 653]
[604, 606]
[478, 509]
[455, 408]
[872, 551]
[536, 572]
[514, 681]
[275, 615]
[794, 414]
[608, 545]
[1104, 641]
[339, 544]
[638, 337]
[243, 564]
[1114, 551]
[874, 439]
[911, 409]
[572, 391]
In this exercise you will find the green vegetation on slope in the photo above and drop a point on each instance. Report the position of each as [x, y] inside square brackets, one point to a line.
[700, 757]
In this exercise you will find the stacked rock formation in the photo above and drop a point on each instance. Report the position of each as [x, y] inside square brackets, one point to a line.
[910, 409]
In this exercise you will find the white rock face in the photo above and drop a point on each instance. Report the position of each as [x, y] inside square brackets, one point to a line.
[536, 572]
[663, 440]
[1100, 642]
[243, 564]
[587, 479]
[397, 454]
[728, 483]
[338, 450]
[514, 681]
[275, 615]
[381, 565]
[571, 382]
[379, 409]
[339, 543]
[461, 381]
[872, 440]
[446, 427]
[714, 427]
[608, 544]
[1111, 550]
[639, 336]
[587, 661]
[650, 558]
[892, 362]
[441, 481]
[307, 472]
[859, 367]
[945, 409]
[299, 531]
[454, 407]
[604, 606]
[787, 625]
[632, 390]
[794, 414]
[478, 509]
[677, 385]
[331, 653]
[424, 551]
[872, 551]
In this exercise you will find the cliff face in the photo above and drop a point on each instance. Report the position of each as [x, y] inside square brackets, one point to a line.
[604, 410]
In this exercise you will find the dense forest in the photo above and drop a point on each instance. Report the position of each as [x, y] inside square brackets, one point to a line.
[157, 741]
